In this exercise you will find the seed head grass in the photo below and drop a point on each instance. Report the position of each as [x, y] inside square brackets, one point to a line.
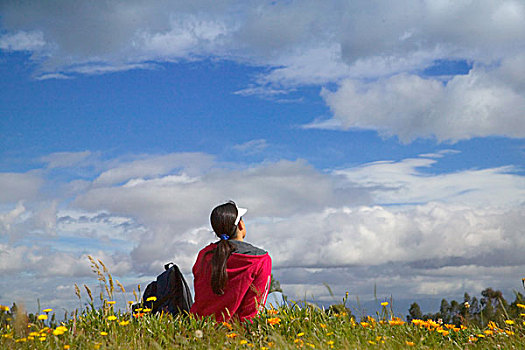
[295, 326]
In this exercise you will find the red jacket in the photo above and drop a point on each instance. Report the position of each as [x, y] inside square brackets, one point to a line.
[245, 292]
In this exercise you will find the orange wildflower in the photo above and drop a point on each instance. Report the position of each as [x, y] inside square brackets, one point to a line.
[274, 320]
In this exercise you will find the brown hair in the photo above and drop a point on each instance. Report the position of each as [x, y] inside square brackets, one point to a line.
[223, 223]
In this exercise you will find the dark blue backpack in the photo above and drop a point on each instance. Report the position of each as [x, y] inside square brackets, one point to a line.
[170, 290]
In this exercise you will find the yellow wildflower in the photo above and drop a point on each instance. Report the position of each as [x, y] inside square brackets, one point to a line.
[66, 347]
[409, 343]
[59, 330]
[511, 322]
[300, 334]
[521, 306]
[231, 335]
[509, 332]
[371, 342]
[147, 310]
[130, 302]
[330, 342]
[153, 298]
[480, 336]
[103, 333]
[365, 324]
[384, 303]
[42, 317]
[244, 341]
[123, 323]
[322, 325]
[328, 334]
[21, 340]
[111, 302]
[488, 332]
[47, 310]
[112, 318]
[227, 325]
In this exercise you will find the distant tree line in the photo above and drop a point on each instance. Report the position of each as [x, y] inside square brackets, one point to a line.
[492, 306]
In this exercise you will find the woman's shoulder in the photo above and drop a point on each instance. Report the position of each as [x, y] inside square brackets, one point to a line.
[247, 248]
[207, 248]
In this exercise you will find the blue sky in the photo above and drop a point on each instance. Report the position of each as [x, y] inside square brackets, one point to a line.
[389, 138]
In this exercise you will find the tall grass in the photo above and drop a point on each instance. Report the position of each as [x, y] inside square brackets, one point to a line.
[291, 327]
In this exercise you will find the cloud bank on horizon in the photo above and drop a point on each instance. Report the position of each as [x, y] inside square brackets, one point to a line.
[418, 233]
[373, 52]
[401, 223]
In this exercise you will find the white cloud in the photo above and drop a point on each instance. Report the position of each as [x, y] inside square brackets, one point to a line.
[19, 186]
[405, 182]
[103, 68]
[65, 159]
[277, 34]
[22, 41]
[368, 236]
[263, 91]
[484, 102]
[308, 43]
[439, 154]
[52, 76]
[252, 147]
[337, 227]
[154, 166]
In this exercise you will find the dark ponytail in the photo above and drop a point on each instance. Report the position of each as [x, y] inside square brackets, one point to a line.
[223, 223]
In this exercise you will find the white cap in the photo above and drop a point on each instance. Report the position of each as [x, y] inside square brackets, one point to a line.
[240, 213]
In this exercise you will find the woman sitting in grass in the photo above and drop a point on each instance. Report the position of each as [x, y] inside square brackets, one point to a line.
[231, 277]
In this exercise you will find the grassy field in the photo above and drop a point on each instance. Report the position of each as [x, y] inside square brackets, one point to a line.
[291, 327]
[285, 328]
